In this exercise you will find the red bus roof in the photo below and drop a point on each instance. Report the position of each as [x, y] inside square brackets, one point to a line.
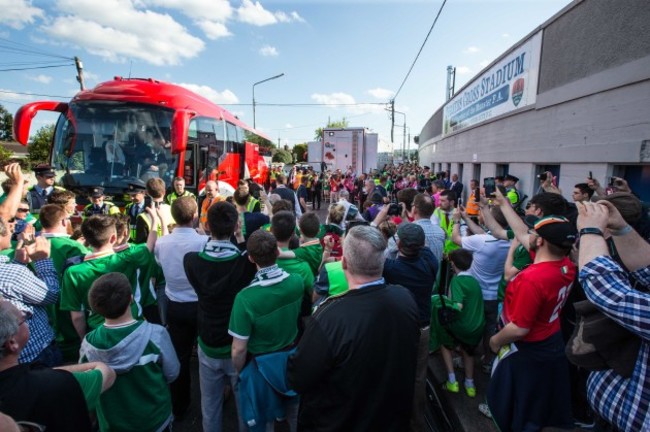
[154, 92]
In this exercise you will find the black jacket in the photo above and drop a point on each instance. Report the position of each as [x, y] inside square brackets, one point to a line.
[354, 367]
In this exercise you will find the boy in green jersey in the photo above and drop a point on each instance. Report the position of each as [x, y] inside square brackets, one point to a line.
[141, 354]
[55, 221]
[283, 225]
[264, 324]
[310, 250]
[100, 234]
[466, 330]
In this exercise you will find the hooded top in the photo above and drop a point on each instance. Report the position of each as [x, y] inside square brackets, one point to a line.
[144, 359]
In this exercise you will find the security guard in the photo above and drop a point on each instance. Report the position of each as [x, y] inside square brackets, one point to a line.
[510, 182]
[98, 206]
[178, 190]
[37, 195]
[136, 207]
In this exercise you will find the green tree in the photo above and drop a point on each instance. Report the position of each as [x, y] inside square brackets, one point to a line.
[300, 150]
[6, 125]
[39, 147]
[282, 156]
[318, 133]
[5, 155]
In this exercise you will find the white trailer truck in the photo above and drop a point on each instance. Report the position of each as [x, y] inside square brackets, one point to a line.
[344, 148]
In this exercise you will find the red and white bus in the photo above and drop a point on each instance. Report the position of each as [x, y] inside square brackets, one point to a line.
[135, 128]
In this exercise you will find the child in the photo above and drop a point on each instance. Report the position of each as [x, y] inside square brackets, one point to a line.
[466, 329]
[141, 354]
[100, 234]
[310, 250]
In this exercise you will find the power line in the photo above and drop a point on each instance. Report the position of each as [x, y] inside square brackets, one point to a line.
[29, 49]
[305, 104]
[34, 94]
[421, 48]
[36, 67]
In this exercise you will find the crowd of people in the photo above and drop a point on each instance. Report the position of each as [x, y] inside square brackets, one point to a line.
[323, 324]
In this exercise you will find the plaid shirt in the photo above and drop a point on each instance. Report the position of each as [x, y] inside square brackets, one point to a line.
[622, 402]
[31, 294]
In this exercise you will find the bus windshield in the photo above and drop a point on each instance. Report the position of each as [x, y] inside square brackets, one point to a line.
[112, 144]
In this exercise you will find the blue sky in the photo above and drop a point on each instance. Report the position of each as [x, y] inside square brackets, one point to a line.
[331, 51]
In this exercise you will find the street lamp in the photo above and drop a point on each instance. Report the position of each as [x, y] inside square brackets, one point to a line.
[260, 82]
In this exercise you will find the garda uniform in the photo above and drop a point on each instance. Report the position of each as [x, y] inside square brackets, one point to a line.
[512, 193]
[133, 210]
[107, 208]
[37, 196]
[447, 225]
[173, 196]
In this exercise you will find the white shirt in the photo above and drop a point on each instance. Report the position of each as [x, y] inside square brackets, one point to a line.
[169, 252]
[489, 256]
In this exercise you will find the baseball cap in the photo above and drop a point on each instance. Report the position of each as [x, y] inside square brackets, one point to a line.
[411, 236]
[556, 230]
[97, 192]
[44, 170]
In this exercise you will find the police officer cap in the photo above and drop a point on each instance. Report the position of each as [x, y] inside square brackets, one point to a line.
[97, 192]
[44, 170]
[136, 187]
[511, 178]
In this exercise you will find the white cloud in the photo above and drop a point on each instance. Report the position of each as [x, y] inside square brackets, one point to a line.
[10, 95]
[471, 50]
[297, 17]
[380, 93]
[254, 13]
[213, 30]
[505, 35]
[224, 97]
[89, 76]
[269, 51]
[333, 99]
[463, 70]
[18, 13]
[209, 15]
[484, 63]
[115, 30]
[43, 79]
[288, 126]
[212, 10]
[347, 102]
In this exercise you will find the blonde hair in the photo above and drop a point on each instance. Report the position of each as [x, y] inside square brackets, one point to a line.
[336, 213]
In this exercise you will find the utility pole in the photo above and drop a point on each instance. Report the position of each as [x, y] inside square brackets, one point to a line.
[404, 140]
[80, 72]
[392, 120]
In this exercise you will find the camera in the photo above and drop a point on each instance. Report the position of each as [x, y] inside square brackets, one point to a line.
[542, 177]
[393, 209]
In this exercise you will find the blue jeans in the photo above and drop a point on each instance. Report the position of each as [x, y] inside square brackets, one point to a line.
[213, 374]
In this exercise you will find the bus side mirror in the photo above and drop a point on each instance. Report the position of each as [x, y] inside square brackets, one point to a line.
[25, 114]
[180, 129]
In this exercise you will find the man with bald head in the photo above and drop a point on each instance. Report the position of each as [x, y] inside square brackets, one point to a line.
[370, 331]
[211, 196]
